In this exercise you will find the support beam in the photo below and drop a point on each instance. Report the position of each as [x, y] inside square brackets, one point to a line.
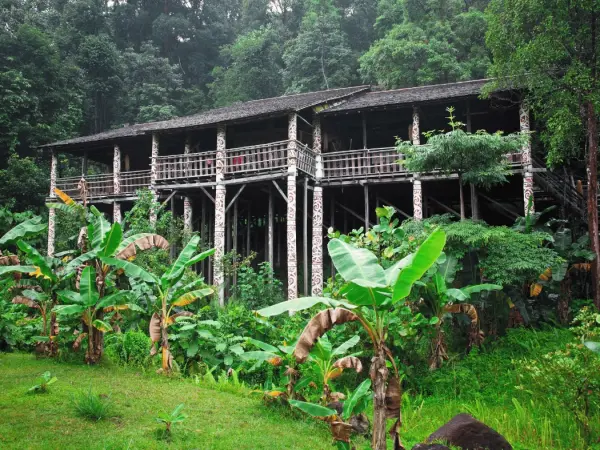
[383, 200]
[353, 213]
[280, 191]
[511, 214]
[270, 230]
[526, 159]
[444, 207]
[219, 227]
[305, 237]
[248, 227]
[416, 127]
[474, 198]
[235, 197]
[367, 210]
[235, 238]
[292, 259]
[205, 238]
[188, 214]
[332, 221]
[52, 211]
[154, 174]
[317, 242]
[203, 189]
[364, 129]
[417, 199]
[117, 214]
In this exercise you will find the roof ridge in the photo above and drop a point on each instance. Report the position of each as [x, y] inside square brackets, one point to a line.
[431, 85]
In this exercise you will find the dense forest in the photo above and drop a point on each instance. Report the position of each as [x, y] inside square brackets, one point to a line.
[78, 67]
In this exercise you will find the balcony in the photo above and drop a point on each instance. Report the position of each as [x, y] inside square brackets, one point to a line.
[102, 185]
[368, 164]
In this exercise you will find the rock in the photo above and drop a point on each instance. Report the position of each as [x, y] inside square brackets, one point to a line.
[467, 433]
[430, 447]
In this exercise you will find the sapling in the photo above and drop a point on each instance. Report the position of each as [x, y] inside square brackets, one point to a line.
[45, 380]
[174, 417]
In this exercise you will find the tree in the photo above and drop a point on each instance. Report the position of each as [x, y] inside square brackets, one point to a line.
[551, 49]
[253, 68]
[319, 57]
[478, 158]
[369, 295]
[426, 42]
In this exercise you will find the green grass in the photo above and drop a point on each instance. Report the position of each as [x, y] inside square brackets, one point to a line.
[216, 419]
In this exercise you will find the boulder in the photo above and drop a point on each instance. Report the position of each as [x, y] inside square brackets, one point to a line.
[467, 433]
[430, 447]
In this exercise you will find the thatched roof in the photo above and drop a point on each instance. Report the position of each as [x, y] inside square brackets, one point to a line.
[409, 96]
[236, 112]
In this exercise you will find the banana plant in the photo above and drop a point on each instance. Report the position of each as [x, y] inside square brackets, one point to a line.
[87, 304]
[341, 430]
[326, 363]
[368, 298]
[170, 294]
[441, 301]
[27, 229]
[103, 247]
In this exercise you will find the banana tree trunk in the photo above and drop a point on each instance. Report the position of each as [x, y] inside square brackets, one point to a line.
[166, 351]
[379, 375]
[52, 333]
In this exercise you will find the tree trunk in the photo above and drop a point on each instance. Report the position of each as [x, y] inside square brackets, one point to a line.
[462, 198]
[474, 203]
[592, 196]
[564, 300]
[379, 375]
[166, 351]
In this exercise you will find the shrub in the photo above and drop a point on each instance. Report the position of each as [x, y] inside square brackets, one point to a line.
[258, 289]
[92, 406]
[45, 380]
[129, 348]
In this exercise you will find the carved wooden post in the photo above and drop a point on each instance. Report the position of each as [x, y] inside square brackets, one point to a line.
[526, 159]
[117, 183]
[317, 219]
[417, 193]
[188, 212]
[154, 174]
[292, 260]
[52, 211]
[219, 240]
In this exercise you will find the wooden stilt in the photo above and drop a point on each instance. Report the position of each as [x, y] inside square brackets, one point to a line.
[366, 190]
[305, 237]
[235, 239]
[332, 221]
[172, 250]
[248, 245]
[270, 229]
[205, 236]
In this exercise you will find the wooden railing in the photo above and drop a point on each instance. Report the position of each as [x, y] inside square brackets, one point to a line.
[367, 163]
[102, 185]
[197, 166]
[307, 161]
[256, 159]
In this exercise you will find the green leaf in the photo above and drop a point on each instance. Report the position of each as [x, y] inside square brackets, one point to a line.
[299, 304]
[112, 240]
[392, 272]
[559, 271]
[100, 227]
[87, 287]
[424, 258]
[313, 409]
[228, 360]
[131, 270]
[200, 257]
[364, 296]
[342, 349]
[191, 297]
[112, 299]
[358, 265]
[180, 264]
[593, 346]
[74, 264]
[37, 259]
[70, 297]
[349, 405]
[457, 294]
[263, 345]
[21, 269]
[24, 230]
[69, 309]
[102, 326]
[480, 288]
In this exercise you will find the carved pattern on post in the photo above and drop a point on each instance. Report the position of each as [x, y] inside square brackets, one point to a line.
[219, 241]
[292, 136]
[317, 143]
[292, 259]
[51, 230]
[52, 211]
[317, 242]
[416, 132]
[117, 170]
[117, 216]
[525, 128]
[221, 145]
[417, 200]
[154, 174]
[528, 192]
[187, 214]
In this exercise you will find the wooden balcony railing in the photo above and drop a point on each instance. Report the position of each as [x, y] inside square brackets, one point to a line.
[102, 185]
[196, 166]
[307, 159]
[363, 164]
[256, 159]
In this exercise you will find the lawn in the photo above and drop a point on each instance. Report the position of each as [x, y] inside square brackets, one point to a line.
[216, 419]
